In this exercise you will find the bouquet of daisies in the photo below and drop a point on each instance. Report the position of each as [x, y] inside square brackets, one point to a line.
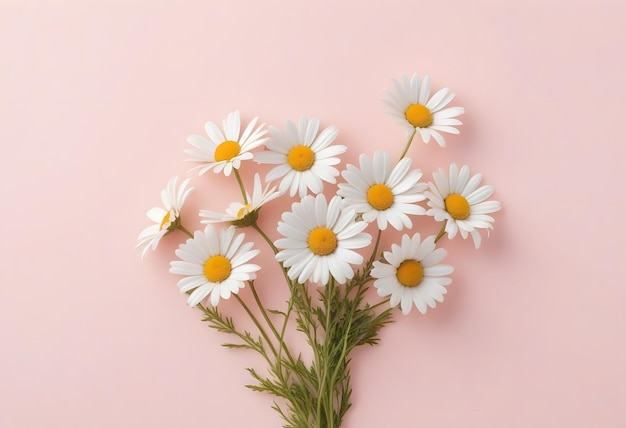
[324, 249]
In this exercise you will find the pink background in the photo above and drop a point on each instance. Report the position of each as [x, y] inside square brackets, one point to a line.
[98, 97]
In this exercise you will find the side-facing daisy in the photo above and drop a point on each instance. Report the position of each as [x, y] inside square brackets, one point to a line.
[459, 201]
[225, 151]
[167, 219]
[411, 105]
[320, 239]
[214, 264]
[381, 193]
[412, 274]
[243, 214]
[305, 159]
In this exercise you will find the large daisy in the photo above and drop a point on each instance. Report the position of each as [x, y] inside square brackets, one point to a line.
[381, 193]
[457, 199]
[223, 151]
[305, 159]
[412, 274]
[243, 214]
[320, 239]
[166, 219]
[214, 264]
[411, 104]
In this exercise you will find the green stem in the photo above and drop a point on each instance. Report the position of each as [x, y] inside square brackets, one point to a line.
[184, 230]
[441, 232]
[241, 186]
[408, 144]
[256, 322]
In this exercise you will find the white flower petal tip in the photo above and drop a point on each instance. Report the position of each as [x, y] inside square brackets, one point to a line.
[412, 106]
[165, 219]
[303, 155]
[225, 149]
[457, 199]
[412, 275]
[214, 264]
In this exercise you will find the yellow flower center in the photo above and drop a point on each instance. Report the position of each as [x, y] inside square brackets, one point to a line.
[457, 206]
[410, 273]
[322, 241]
[418, 115]
[301, 158]
[380, 196]
[217, 268]
[227, 150]
[166, 220]
[243, 210]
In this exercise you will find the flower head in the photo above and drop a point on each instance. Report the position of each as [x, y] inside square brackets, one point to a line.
[214, 264]
[412, 274]
[305, 159]
[320, 239]
[225, 151]
[459, 201]
[381, 193]
[167, 219]
[243, 214]
[411, 105]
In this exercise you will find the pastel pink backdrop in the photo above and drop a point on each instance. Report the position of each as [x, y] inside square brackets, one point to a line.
[98, 97]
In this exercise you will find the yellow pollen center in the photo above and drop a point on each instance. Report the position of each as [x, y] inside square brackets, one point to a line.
[227, 150]
[243, 211]
[410, 273]
[166, 220]
[217, 268]
[457, 206]
[301, 158]
[419, 115]
[322, 241]
[380, 197]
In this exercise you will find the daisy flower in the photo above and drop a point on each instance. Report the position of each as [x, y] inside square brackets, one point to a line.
[411, 105]
[305, 159]
[319, 240]
[167, 219]
[243, 214]
[381, 193]
[412, 274]
[214, 264]
[459, 201]
[225, 151]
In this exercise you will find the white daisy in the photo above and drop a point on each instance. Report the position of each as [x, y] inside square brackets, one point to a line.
[412, 274]
[305, 159]
[320, 239]
[243, 214]
[225, 151]
[381, 193]
[214, 264]
[167, 219]
[411, 105]
[459, 201]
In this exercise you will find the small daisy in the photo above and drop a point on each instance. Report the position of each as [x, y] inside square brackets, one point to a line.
[459, 201]
[320, 239]
[412, 274]
[214, 264]
[240, 214]
[381, 193]
[411, 105]
[225, 151]
[168, 219]
[305, 159]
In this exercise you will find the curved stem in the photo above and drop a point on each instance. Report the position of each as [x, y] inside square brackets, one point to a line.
[241, 186]
[441, 232]
[183, 229]
[408, 144]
